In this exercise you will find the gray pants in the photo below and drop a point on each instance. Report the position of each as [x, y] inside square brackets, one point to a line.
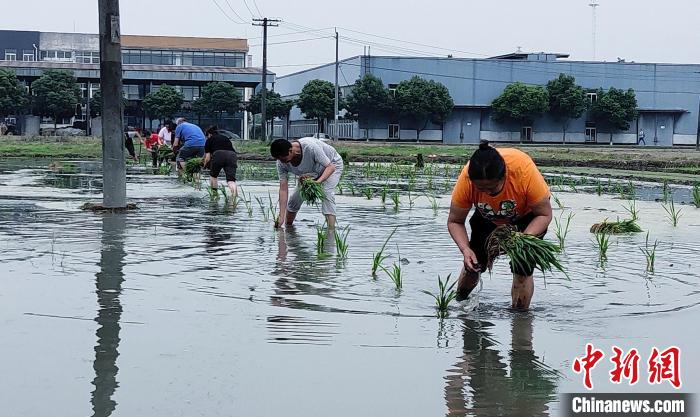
[328, 204]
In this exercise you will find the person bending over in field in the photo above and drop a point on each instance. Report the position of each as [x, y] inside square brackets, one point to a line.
[303, 157]
[505, 187]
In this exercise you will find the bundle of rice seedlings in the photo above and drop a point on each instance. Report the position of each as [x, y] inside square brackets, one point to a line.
[165, 152]
[616, 228]
[193, 166]
[523, 250]
[311, 192]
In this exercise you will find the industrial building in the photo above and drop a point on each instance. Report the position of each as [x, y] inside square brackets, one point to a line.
[668, 98]
[187, 63]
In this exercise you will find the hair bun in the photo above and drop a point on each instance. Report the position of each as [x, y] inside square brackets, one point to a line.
[484, 145]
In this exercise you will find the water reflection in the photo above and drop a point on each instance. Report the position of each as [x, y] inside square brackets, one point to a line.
[484, 382]
[109, 286]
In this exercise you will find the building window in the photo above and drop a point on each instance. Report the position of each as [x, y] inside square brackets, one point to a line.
[526, 134]
[591, 132]
[592, 97]
[53, 55]
[394, 131]
[392, 89]
[87, 57]
[131, 92]
[27, 55]
[10, 55]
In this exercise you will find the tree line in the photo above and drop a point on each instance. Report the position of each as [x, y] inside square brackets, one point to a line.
[417, 100]
[56, 94]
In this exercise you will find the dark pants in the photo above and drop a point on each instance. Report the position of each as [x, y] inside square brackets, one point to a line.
[129, 143]
[226, 160]
[482, 228]
[154, 156]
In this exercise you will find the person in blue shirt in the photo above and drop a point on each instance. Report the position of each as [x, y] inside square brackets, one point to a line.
[190, 140]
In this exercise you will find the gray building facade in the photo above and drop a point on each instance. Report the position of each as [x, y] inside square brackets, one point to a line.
[668, 98]
[187, 63]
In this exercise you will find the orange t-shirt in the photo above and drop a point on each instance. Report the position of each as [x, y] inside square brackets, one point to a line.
[524, 187]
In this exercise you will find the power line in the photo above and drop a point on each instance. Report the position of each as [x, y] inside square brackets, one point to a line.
[235, 12]
[224, 13]
[292, 41]
[252, 15]
[415, 43]
[256, 8]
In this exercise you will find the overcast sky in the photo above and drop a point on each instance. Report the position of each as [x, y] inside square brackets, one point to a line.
[637, 30]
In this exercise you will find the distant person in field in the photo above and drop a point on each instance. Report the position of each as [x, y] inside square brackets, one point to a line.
[306, 157]
[640, 138]
[129, 144]
[151, 141]
[166, 134]
[505, 187]
[219, 152]
[190, 140]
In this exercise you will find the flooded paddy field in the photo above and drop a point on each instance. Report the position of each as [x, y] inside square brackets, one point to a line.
[188, 307]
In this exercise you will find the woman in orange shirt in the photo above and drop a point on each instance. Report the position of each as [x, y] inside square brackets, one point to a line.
[505, 187]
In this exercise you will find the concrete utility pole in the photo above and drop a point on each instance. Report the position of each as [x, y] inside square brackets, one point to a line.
[336, 135]
[264, 22]
[113, 164]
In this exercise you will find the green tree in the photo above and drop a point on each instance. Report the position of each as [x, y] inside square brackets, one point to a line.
[96, 103]
[566, 100]
[615, 109]
[163, 103]
[520, 103]
[368, 97]
[217, 98]
[55, 94]
[424, 101]
[13, 95]
[317, 101]
[275, 106]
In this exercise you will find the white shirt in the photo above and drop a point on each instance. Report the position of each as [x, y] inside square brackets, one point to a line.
[166, 136]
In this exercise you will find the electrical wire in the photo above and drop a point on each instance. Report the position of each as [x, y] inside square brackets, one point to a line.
[224, 12]
[292, 41]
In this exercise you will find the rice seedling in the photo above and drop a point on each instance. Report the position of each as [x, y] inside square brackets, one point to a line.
[411, 183]
[383, 193]
[665, 192]
[233, 199]
[602, 240]
[523, 250]
[395, 272]
[164, 169]
[572, 184]
[341, 245]
[321, 240]
[412, 200]
[617, 227]
[351, 188]
[631, 208]
[557, 202]
[339, 187]
[696, 195]
[673, 213]
[599, 188]
[446, 186]
[379, 257]
[429, 184]
[213, 193]
[445, 295]
[562, 228]
[395, 200]
[368, 192]
[649, 253]
[311, 192]
[246, 202]
[434, 204]
[273, 209]
[263, 208]
[631, 191]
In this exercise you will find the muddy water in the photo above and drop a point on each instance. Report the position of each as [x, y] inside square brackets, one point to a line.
[187, 308]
